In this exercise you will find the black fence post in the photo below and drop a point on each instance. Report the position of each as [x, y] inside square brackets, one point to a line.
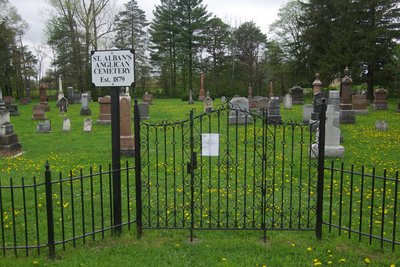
[264, 177]
[49, 209]
[138, 171]
[116, 160]
[192, 167]
[321, 167]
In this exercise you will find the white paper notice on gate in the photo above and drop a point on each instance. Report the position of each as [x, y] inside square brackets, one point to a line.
[210, 144]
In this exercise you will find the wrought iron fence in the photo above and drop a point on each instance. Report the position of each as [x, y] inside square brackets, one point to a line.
[261, 176]
[362, 203]
[61, 210]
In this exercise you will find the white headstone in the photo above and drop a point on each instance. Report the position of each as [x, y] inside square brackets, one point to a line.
[332, 136]
[66, 125]
[332, 133]
[87, 125]
[85, 100]
[287, 101]
[4, 116]
[60, 90]
[208, 104]
[334, 99]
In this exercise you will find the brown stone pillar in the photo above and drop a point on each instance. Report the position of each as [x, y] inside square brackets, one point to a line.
[201, 93]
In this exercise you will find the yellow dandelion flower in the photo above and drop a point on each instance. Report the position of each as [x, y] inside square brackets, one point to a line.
[309, 249]
[367, 260]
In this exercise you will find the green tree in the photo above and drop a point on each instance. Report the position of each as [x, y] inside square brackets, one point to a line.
[163, 35]
[216, 40]
[377, 37]
[359, 34]
[250, 46]
[130, 28]
[192, 24]
[277, 67]
[177, 35]
[15, 57]
[67, 39]
[6, 41]
[287, 32]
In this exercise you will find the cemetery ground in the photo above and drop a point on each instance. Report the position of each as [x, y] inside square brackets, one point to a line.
[75, 150]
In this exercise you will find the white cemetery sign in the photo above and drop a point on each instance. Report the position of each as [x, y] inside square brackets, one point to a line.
[210, 144]
[113, 67]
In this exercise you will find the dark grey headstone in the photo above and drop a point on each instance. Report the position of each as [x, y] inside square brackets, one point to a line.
[297, 95]
[274, 111]
[144, 111]
[63, 105]
[44, 127]
[13, 109]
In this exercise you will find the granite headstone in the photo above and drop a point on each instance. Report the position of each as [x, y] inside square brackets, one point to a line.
[274, 111]
[105, 110]
[347, 115]
[240, 111]
[87, 124]
[297, 95]
[9, 144]
[38, 112]
[66, 125]
[380, 99]
[144, 111]
[85, 110]
[44, 127]
[287, 101]
[127, 143]
[359, 104]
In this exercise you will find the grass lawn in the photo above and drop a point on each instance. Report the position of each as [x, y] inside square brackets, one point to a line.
[78, 150]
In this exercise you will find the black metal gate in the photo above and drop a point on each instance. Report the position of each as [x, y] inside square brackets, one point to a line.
[259, 175]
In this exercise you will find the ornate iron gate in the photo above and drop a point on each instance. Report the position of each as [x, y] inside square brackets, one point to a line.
[259, 175]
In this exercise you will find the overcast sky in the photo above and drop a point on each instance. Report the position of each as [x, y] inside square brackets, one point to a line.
[262, 12]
